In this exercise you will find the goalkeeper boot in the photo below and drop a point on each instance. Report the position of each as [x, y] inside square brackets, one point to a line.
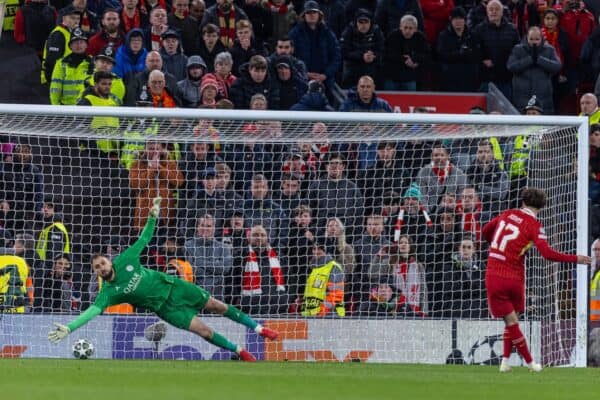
[245, 355]
[535, 367]
[504, 367]
[269, 333]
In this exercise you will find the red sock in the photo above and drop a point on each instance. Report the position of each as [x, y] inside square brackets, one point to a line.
[518, 340]
[507, 343]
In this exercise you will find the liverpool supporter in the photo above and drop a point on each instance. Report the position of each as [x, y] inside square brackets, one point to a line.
[178, 14]
[301, 234]
[33, 23]
[158, 26]
[283, 17]
[291, 84]
[210, 46]
[174, 61]
[260, 20]
[314, 99]
[57, 44]
[191, 33]
[88, 20]
[413, 219]
[132, 17]
[110, 34]
[510, 235]
[70, 72]
[224, 14]
[388, 14]
[490, 180]
[245, 45]
[381, 177]
[131, 56]
[285, 47]
[254, 79]
[138, 85]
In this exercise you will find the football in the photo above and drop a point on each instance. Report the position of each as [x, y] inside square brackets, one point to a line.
[83, 349]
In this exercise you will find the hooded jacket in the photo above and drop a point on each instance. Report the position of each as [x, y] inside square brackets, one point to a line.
[190, 89]
[128, 63]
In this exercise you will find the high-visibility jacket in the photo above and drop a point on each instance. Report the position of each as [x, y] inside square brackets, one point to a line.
[595, 297]
[594, 117]
[107, 125]
[123, 308]
[497, 150]
[67, 81]
[9, 15]
[520, 156]
[41, 246]
[135, 141]
[322, 295]
[49, 69]
[14, 277]
[117, 89]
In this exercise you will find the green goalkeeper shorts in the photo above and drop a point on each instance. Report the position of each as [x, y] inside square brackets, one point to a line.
[183, 304]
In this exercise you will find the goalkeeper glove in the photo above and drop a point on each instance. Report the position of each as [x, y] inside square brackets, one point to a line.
[155, 210]
[59, 333]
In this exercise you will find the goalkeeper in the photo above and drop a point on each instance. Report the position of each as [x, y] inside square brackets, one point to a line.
[172, 299]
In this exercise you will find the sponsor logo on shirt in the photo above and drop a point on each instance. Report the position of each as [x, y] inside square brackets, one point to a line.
[133, 283]
[129, 268]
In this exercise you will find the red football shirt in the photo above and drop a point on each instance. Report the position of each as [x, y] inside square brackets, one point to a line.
[510, 235]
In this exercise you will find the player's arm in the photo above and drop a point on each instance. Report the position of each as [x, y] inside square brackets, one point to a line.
[489, 229]
[550, 254]
[61, 331]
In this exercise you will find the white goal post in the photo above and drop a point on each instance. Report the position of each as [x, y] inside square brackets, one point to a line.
[383, 323]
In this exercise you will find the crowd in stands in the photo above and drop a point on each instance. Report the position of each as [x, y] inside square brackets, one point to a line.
[251, 221]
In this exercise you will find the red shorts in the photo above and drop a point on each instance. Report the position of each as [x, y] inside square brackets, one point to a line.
[505, 296]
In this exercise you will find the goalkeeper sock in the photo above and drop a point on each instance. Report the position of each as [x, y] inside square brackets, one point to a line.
[506, 339]
[222, 342]
[519, 342]
[241, 318]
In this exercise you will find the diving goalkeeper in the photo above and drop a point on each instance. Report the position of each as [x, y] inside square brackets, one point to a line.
[172, 299]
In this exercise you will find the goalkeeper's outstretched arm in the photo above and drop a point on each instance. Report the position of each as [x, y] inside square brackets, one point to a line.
[61, 331]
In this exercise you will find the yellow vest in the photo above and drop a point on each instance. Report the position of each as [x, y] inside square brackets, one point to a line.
[520, 156]
[107, 125]
[316, 288]
[65, 32]
[595, 298]
[497, 150]
[13, 284]
[9, 15]
[594, 118]
[42, 243]
[136, 134]
[117, 89]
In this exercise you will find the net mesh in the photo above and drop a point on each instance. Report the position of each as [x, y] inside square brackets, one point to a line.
[251, 207]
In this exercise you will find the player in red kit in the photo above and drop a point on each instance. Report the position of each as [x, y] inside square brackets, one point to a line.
[510, 235]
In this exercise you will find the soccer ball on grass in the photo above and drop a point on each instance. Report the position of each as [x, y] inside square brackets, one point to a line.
[83, 349]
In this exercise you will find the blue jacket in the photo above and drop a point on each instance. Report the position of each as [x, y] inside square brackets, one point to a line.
[319, 49]
[354, 104]
[312, 101]
[126, 61]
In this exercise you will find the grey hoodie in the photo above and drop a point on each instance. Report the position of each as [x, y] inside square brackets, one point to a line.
[190, 90]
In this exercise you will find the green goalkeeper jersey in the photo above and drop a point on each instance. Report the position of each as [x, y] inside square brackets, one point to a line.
[132, 283]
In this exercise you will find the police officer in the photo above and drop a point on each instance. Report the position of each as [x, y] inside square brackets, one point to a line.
[56, 46]
[70, 72]
[105, 61]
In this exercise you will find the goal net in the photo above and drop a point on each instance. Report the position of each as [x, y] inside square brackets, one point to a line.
[257, 205]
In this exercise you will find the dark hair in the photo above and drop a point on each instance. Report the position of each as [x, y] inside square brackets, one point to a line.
[336, 156]
[533, 197]
[210, 28]
[99, 75]
[594, 128]
[286, 39]
[96, 255]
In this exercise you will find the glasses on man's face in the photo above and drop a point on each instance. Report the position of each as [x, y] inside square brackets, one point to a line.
[157, 82]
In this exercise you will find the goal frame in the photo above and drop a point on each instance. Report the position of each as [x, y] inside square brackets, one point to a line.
[582, 124]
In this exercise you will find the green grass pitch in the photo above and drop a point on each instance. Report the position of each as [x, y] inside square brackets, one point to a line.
[178, 380]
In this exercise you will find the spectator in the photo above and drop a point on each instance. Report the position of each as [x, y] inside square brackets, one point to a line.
[364, 98]
[335, 196]
[263, 283]
[211, 259]
[578, 23]
[338, 246]
[371, 243]
[158, 26]
[470, 210]
[22, 188]
[457, 54]
[198, 159]
[589, 107]
[383, 176]
[533, 65]
[104, 62]
[495, 38]
[174, 61]
[291, 85]
[397, 283]
[59, 292]
[57, 44]
[525, 14]
[301, 235]
[556, 37]
[283, 17]
[210, 46]
[333, 15]
[70, 72]
[225, 15]
[132, 17]
[148, 5]
[99, 95]
[260, 19]
[590, 56]
[235, 235]
[314, 99]
[260, 209]
[488, 177]
[110, 35]
[24, 246]
[151, 175]
[413, 219]
[190, 86]
[233, 201]
[245, 45]
[285, 47]
[176, 18]
[191, 31]
[33, 23]
[406, 53]
[388, 14]
[352, 6]
[362, 48]
[467, 289]
[289, 196]
[324, 289]
[138, 85]
[594, 182]
[223, 75]
[316, 45]
[131, 56]
[171, 259]
[436, 14]
[159, 94]
[440, 177]
[254, 78]
[52, 235]
[88, 20]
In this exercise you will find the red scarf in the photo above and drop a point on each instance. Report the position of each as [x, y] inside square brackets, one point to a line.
[442, 173]
[130, 23]
[227, 27]
[551, 38]
[400, 221]
[155, 40]
[471, 221]
[408, 283]
[251, 279]
[164, 100]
